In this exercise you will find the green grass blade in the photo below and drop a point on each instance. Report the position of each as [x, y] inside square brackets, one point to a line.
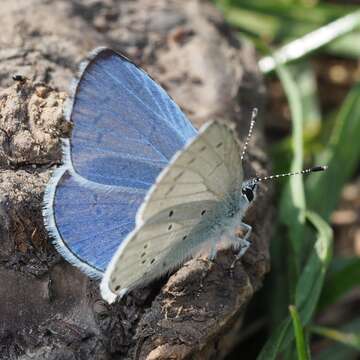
[269, 22]
[339, 351]
[292, 207]
[301, 345]
[310, 284]
[308, 288]
[342, 155]
[274, 344]
[317, 14]
[304, 76]
[305, 79]
[346, 338]
[311, 42]
[347, 46]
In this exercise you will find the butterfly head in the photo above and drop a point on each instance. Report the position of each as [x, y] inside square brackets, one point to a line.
[249, 187]
[248, 190]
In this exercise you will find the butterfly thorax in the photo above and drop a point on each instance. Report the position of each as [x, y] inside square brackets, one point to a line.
[233, 209]
[223, 220]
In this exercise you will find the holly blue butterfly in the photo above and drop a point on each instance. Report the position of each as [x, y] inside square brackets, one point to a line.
[140, 189]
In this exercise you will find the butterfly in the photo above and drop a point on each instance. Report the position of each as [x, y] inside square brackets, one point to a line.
[140, 189]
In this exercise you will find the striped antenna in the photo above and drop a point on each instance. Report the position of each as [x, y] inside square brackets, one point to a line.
[252, 123]
[306, 171]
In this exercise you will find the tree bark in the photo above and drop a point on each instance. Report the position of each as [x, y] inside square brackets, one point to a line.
[48, 309]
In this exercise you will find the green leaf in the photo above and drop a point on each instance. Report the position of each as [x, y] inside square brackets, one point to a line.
[292, 207]
[305, 79]
[275, 343]
[316, 14]
[339, 351]
[310, 42]
[312, 278]
[304, 76]
[301, 345]
[347, 46]
[342, 155]
[308, 288]
[347, 338]
[270, 23]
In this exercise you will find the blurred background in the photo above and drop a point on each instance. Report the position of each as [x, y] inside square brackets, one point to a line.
[313, 117]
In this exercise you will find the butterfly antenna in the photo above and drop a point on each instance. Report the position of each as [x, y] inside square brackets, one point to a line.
[252, 123]
[302, 172]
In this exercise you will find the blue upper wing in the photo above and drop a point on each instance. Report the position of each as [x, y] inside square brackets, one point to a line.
[126, 126]
[126, 129]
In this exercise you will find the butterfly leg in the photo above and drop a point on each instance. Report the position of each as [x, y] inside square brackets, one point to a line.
[245, 242]
[213, 251]
[242, 244]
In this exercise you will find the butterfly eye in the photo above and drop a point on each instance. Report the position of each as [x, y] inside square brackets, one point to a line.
[249, 194]
[171, 213]
[203, 212]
